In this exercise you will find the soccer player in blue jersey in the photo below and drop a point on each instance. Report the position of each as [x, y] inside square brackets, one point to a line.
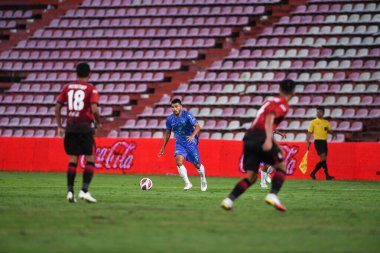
[186, 129]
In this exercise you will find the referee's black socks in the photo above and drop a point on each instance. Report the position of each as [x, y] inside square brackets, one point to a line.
[324, 165]
[317, 167]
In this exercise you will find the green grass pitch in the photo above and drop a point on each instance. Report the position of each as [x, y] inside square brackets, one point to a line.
[322, 216]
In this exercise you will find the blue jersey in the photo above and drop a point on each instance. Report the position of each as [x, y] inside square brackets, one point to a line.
[183, 126]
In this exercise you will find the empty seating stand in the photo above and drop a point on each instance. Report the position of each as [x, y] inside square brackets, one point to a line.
[130, 46]
[330, 48]
[339, 69]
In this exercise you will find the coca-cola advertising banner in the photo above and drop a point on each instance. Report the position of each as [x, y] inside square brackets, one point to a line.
[346, 161]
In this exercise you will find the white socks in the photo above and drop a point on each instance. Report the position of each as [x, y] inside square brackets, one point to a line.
[263, 176]
[270, 169]
[201, 171]
[183, 173]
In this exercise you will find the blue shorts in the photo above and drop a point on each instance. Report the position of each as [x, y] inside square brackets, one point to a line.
[188, 150]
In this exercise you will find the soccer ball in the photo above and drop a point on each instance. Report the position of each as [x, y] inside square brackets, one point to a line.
[146, 184]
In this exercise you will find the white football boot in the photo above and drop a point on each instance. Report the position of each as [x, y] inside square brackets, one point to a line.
[272, 199]
[188, 186]
[71, 198]
[263, 185]
[87, 196]
[227, 204]
[203, 184]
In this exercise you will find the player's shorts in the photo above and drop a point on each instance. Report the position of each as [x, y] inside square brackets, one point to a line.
[254, 153]
[189, 150]
[321, 146]
[79, 143]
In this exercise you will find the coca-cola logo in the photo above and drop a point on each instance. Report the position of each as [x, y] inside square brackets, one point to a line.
[290, 158]
[117, 156]
[290, 153]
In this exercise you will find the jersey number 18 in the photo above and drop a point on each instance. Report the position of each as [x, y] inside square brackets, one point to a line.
[75, 100]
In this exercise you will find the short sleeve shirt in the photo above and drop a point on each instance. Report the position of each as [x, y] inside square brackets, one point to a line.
[320, 128]
[277, 105]
[183, 126]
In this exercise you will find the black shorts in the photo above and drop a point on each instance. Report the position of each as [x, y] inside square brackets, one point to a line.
[79, 143]
[254, 153]
[321, 146]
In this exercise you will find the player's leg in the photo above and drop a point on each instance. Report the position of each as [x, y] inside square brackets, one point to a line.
[277, 182]
[251, 164]
[87, 177]
[275, 158]
[239, 189]
[252, 151]
[182, 171]
[316, 169]
[264, 175]
[269, 171]
[318, 166]
[71, 173]
[324, 166]
[88, 149]
[71, 148]
[201, 170]
[194, 157]
[88, 172]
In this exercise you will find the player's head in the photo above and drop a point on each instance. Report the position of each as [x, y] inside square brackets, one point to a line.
[176, 106]
[320, 112]
[287, 87]
[83, 70]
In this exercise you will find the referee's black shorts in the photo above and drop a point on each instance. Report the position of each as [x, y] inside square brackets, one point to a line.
[79, 143]
[321, 146]
[254, 153]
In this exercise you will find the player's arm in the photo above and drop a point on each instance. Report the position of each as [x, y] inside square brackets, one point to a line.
[330, 131]
[282, 134]
[166, 139]
[58, 117]
[308, 136]
[197, 129]
[95, 112]
[269, 119]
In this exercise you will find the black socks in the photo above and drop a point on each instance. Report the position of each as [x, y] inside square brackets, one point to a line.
[87, 175]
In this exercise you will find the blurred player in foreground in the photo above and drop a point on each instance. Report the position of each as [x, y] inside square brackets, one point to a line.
[186, 129]
[260, 146]
[81, 99]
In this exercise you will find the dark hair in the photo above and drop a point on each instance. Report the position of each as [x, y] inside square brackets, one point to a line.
[83, 69]
[176, 101]
[319, 108]
[287, 86]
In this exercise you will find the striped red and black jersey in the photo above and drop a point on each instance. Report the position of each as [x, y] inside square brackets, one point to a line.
[78, 97]
[277, 105]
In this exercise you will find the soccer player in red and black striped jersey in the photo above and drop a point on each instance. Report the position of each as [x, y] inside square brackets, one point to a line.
[260, 146]
[81, 100]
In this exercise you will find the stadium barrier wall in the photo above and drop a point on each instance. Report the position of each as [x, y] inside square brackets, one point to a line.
[346, 161]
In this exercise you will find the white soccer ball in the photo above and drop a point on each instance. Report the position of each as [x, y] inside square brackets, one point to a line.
[146, 184]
